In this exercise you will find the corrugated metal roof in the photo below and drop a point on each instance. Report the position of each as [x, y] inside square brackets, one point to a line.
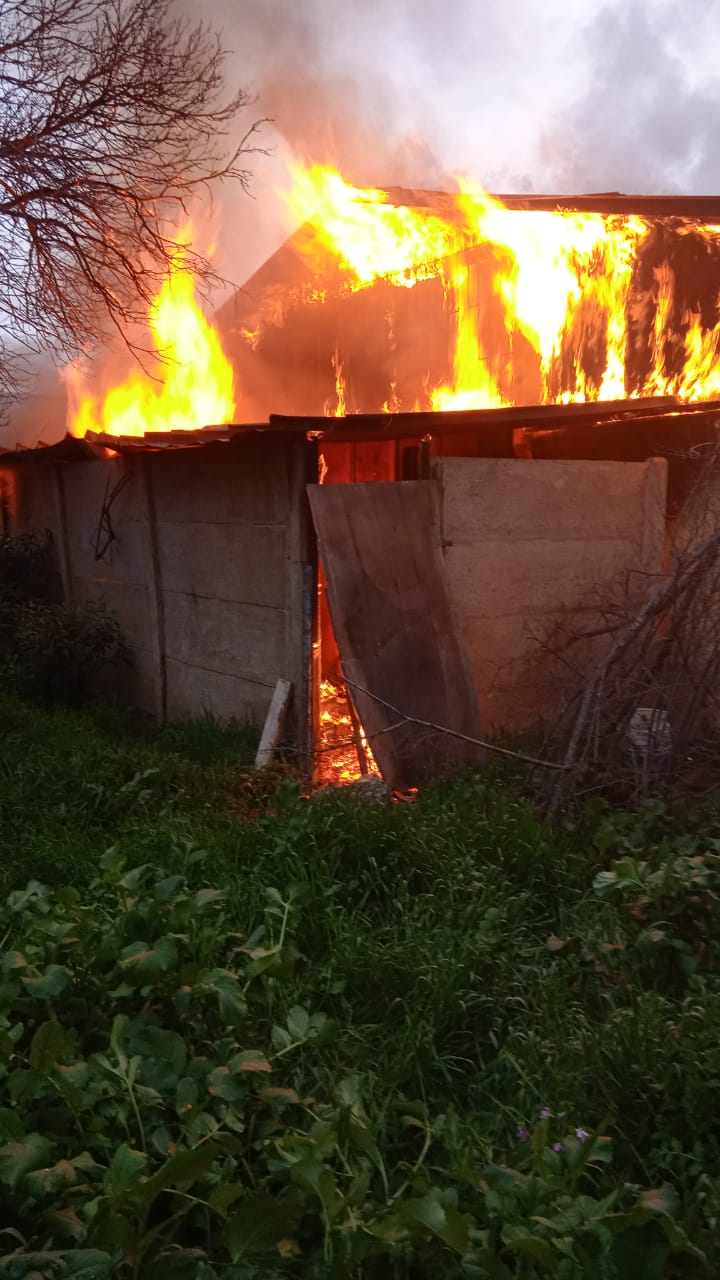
[375, 426]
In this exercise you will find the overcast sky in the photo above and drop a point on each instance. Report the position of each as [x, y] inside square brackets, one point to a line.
[526, 95]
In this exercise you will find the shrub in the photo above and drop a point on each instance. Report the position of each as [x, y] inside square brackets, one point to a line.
[58, 650]
[159, 1120]
[51, 652]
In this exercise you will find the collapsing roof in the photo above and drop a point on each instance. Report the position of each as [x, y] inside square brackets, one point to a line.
[512, 429]
[309, 336]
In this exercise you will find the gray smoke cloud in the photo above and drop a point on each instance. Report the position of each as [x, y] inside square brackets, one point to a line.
[564, 95]
[649, 116]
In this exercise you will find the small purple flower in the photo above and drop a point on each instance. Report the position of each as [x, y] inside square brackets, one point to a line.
[522, 1134]
[561, 1115]
[546, 1114]
[558, 1146]
[581, 1134]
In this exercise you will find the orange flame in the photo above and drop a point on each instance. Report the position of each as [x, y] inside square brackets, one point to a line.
[555, 274]
[195, 384]
[338, 746]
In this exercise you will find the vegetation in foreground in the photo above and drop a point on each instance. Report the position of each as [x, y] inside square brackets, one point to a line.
[244, 1034]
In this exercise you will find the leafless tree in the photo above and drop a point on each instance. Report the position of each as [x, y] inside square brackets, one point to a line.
[112, 113]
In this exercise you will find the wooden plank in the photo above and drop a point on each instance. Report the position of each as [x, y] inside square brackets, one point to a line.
[302, 623]
[274, 723]
[394, 627]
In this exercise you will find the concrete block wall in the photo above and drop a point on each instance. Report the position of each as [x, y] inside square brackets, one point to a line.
[227, 568]
[531, 547]
[208, 569]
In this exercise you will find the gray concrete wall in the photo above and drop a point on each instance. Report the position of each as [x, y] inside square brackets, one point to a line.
[208, 569]
[533, 548]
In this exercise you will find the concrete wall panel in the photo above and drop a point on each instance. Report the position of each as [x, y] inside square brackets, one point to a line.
[532, 547]
[240, 640]
[194, 692]
[240, 562]
[224, 483]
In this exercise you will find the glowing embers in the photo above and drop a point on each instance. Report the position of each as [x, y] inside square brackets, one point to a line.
[344, 754]
[193, 386]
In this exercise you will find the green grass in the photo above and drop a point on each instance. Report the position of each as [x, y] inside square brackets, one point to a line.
[425, 930]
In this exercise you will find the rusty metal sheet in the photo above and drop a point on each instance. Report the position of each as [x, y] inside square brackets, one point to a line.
[400, 652]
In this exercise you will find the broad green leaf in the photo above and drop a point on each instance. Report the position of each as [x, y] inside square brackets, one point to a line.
[65, 1223]
[224, 1195]
[258, 1224]
[158, 1043]
[222, 1083]
[250, 1060]
[208, 897]
[186, 1096]
[50, 1178]
[490, 1266]
[11, 1125]
[231, 1002]
[76, 1075]
[125, 1170]
[446, 1223]
[501, 1179]
[18, 1158]
[520, 1241]
[182, 1168]
[46, 984]
[34, 892]
[316, 1177]
[26, 1086]
[88, 1264]
[231, 1005]
[281, 1038]
[134, 878]
[161, 1139]
[641, 1252]
[147, 963]
[200, 1125]
[298, 1022]
[167, 888]
[47, 1046]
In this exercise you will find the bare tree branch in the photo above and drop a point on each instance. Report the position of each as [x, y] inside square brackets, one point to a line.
[403, 719]
[112, 114]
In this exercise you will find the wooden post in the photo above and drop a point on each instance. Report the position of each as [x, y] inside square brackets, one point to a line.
[63, 544]
[273, 723]
[155, 598]
[302, 633]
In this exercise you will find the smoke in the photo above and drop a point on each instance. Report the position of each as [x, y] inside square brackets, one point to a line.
[649, 116]
[38, 416]
[396, 92]
[565, 96]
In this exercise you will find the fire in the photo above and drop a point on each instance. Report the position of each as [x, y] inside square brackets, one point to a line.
[370, 236]
[474, 386]
[558, 276]
[341, 408]
[194, 385]
[344, 751]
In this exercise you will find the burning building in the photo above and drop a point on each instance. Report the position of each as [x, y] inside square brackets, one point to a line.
[459, 420]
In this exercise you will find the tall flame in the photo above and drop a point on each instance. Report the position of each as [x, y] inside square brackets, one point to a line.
[195, 383]
[558, 276]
